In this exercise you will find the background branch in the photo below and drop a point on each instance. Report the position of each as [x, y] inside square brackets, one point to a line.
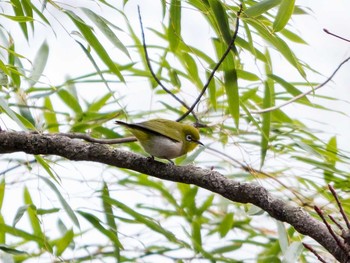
[213, 181]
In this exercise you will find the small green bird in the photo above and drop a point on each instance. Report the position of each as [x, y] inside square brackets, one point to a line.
[164, 138]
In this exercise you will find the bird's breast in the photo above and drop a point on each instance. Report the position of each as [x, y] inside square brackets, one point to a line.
[163, 147]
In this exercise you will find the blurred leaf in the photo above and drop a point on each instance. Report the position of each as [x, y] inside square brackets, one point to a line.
[12, 114]
[97, 224]
[12, 251]
[93, 41]
[174, 27]
[63, 201]
[142, 219]
[226, 224]
[331, 159]
[284, 13]
[221, 19]
[102, 25]
[19, 214]
[266, 123]
[32, 213]
[293, 252]
[261, 7]
[47, 167]
[282, 236]
[2, 192]
[39, 63]
[17, 8]
[290, 88]
[63, 242]
[26, 236]
[70, 101]
[196, 234]
[108, 211]
[97, 105]
[50, 116]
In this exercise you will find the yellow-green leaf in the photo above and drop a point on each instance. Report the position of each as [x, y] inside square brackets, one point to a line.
[284, 13]
[174, 28]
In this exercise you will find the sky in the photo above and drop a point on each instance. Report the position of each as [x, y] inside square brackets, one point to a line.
[324, 51]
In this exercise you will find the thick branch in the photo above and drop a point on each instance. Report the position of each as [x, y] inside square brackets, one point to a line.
[213, 181]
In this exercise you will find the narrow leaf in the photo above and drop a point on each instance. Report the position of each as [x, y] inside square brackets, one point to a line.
[50, 116]
[70, 101]
[266, 123]
[174, 28]
[97, 224]
[90, 37]
[39, 63]
[261, 7]
[63, 201]
[284, 13]
[102, 25]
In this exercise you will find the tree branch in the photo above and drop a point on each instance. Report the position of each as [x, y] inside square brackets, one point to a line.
[213, 181]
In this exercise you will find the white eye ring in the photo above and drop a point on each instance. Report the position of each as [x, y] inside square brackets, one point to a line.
[188, 138]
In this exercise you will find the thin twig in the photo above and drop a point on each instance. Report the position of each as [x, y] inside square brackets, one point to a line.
[336, 222]
[211, 76]
[151, 69]
[17, 166]
[339, 205]
[330, 230]
[332, 34]
[308, 247]
[302, 94]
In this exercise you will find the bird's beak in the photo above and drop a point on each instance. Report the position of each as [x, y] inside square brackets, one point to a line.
[198, 142]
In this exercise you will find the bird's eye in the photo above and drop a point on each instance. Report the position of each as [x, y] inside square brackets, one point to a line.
[188, 138]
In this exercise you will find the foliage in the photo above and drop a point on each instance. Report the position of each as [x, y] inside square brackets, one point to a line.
[82, 212]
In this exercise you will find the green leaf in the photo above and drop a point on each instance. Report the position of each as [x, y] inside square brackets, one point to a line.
[284, 13]
[50, 116]
[12, 251]
[2, 192]
[266, 123]
[226, 224]
[191, 68]
[196, 234]
[26, 236]
[97, 105]
[145, 220]
[261, 7]
[174, 28]
[231, 88]
[63, 242]
[100, 22]
[90, 37]
[39, 63]
[12, 114]
[32, 213]
[70, 101]
[279, 44]
[221, 19]
[108, 211]
[17, 8]
[97, 224]
[63, 201]
[331, 159]
[47, 167]
[289, 88]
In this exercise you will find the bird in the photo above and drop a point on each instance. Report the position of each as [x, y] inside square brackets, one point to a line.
[164, 139]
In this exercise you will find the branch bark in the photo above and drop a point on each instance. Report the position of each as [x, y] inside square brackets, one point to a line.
[77, 150]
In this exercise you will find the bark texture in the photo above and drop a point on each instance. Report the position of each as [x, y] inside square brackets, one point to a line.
[213, 181]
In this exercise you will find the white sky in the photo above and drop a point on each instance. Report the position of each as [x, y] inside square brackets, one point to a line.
[324, 52]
